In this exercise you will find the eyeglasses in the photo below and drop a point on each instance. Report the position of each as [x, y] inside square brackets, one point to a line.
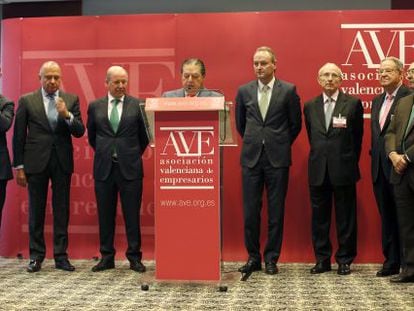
[386, 70]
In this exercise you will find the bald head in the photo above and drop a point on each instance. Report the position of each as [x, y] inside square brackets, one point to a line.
[330, 78]
[116, 81]
[115, 70]
[50, 76]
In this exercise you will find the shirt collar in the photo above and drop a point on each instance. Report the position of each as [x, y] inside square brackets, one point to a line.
[111, 98]
[44, 93]
[270, 84]
[334, 96]
[393, 94]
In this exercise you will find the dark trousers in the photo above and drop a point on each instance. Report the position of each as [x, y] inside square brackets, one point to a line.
[3, 185]
[276, 182]
[404, 199]
[130, 192]
[346, 225]
[38, 185]
[384, 196]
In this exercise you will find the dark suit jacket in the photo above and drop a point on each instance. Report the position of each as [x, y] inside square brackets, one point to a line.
[279, 129]
[6, 120]
[377, 152]
[34, 139]
[395, 137]
[130, 140]
[181, 93]
[337, 150]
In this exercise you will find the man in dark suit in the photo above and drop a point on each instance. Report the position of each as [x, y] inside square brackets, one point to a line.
[390, 78]
[46, 120]
[6, 120]
[399, 145]
[193, 73]
[334, 124]
[268, 118]
[117, 133]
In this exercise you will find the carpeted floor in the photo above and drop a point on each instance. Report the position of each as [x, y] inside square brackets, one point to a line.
[294, 288]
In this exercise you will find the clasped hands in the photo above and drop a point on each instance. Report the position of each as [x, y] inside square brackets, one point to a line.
[399, 162]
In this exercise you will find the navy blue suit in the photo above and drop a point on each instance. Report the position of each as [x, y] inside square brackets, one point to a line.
[265, 160]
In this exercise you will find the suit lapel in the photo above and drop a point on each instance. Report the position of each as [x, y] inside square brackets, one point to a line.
[125, 107]
[40, 109]
[375, 113]
[320, 113]
[402, 91]
[253, 93]
[273, 97]
[406, 120]
[340, 106]
[104, 107]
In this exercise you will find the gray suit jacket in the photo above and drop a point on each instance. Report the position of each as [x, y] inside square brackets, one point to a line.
[395, 137]
[277, 131]
[34, 140]
[334, 152]
[181, 93]
[6, 120]
[130, 140]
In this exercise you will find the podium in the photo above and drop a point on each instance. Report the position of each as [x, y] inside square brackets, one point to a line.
[186, 134]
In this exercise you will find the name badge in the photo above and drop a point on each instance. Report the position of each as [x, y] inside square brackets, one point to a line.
[339, 122]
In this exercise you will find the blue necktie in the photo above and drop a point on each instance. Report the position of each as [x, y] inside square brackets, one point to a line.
[51, 111]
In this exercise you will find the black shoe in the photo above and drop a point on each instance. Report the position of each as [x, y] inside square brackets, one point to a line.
[251, 266]
[103, 265]
[271, 268]
[402, 278]
[137, 266]
[387, 272]
[34, 266]
[344, 269]
[64, 264]
[321, 267]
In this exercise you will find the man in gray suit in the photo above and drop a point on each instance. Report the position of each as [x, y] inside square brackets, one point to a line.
[268, 118]
[410, 76]
[6, 120]
[399, 146]
[334, 124]
[46, 120]
[117, 133]
[193, 73]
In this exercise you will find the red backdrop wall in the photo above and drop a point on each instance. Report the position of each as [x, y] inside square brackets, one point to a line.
[152, 47]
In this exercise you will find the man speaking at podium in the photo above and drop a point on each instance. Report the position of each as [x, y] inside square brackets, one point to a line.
[193, 73]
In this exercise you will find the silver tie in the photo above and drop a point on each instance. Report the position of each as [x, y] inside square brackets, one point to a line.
[51, 111]
[328, 112]
[264, 101]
